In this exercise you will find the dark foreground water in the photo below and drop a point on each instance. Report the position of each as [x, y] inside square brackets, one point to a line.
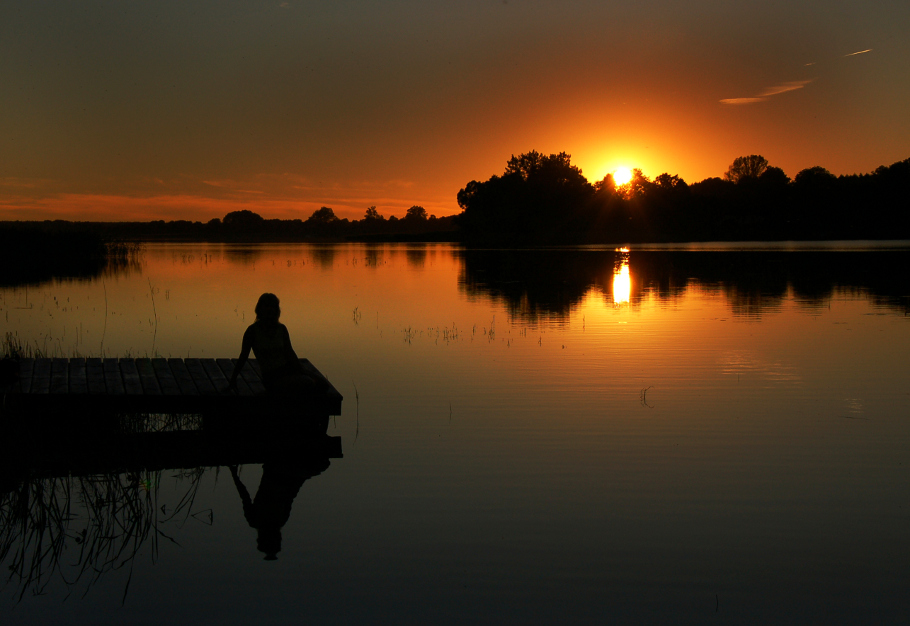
[592, 436]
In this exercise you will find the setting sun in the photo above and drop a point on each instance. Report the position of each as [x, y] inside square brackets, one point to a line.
[621, 176]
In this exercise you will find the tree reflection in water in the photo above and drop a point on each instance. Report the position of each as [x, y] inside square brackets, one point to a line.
[545, 285]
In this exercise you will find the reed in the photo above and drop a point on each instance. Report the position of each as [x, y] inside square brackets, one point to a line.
[357, 412]
[12, 347]
[99, 523]
[643, 396]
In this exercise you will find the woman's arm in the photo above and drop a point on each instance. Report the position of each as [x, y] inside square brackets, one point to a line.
[245, 348]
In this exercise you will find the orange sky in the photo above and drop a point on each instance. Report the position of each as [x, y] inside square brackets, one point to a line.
[190, 110]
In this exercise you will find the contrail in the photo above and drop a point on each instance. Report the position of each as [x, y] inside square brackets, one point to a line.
[853, 54]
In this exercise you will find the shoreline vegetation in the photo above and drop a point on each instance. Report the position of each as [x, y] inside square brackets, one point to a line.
[33, 252]
[539, 200]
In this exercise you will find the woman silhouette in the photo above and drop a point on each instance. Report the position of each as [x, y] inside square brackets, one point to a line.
[271, 343]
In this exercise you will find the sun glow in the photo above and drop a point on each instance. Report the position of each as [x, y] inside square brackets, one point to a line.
[621, 176]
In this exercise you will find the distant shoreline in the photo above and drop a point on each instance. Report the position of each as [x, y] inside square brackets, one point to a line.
[46, 237]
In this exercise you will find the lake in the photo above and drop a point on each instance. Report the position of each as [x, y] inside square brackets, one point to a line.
[706, 433]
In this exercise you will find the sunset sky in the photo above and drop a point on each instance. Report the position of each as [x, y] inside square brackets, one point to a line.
[189, 110]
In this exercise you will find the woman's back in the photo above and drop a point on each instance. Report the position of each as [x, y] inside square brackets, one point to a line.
[271, 344]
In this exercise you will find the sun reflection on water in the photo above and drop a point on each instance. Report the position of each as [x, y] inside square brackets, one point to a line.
[622, 281]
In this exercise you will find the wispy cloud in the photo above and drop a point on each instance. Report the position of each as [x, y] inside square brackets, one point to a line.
[768, 92]
[784, 88]
[742, 100]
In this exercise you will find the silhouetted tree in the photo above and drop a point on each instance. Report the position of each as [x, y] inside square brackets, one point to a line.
[416, 213]
[774, 177]
[751, 166]
[373, 214]
[713, 187]
[243, 220]
[667, 181]
[896, 173]
[607, 185]
[815, 177]
[663, 206]
[526, 164]
[538, 197]
[638, 186]
[322, 216]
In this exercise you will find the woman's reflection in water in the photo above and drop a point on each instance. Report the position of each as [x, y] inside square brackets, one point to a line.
[269, 511]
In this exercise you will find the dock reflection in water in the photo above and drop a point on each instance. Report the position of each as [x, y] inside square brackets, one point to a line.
[74, 511]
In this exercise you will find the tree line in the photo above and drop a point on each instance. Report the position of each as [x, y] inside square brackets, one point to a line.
[248, 226]
[324, 224]
[545, 199]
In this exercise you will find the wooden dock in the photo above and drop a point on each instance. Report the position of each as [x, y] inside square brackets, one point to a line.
[153, 385]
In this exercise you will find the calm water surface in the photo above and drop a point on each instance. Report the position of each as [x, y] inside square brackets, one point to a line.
[529, 437]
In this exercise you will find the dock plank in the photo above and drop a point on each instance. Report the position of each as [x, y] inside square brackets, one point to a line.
[166, 379]
[250, 377]
[310, 370]
[219, 380]
[255, 365]
[26, 368]
[156, 385]
[227, 368]
[113, 381]
[77, 378]
[147, 377]
[131, 383]
[94, 376]
[200, 377]
[41, 377]
[60, 376]
[183, 377]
